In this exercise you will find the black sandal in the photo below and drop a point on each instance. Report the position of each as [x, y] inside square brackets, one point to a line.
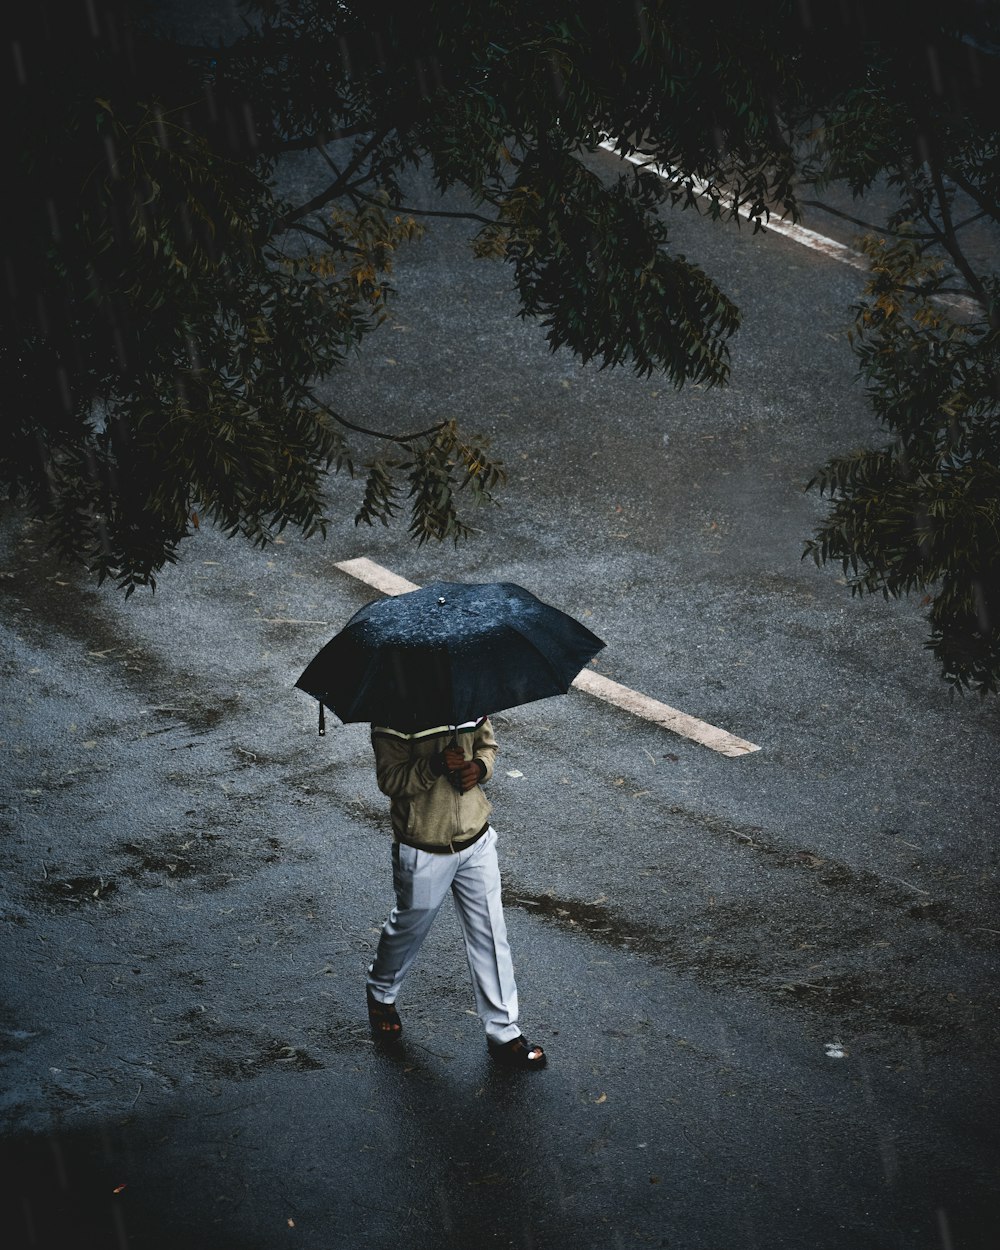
[517, 1053]
[383, 1018]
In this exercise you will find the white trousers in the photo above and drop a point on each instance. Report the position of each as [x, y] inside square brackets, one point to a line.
[421, 880]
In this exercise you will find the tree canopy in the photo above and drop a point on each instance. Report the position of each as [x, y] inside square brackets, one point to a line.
[921, 512]
[170, 317]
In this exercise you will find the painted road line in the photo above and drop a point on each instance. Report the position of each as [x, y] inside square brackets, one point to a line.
[800, 234]
[373, 574]
[663, 714]
[600, 687]
[808, 238]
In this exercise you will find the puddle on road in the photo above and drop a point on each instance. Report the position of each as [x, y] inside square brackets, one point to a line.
[275, 1056]
[204, 860]
[591, 918]
[76, 890]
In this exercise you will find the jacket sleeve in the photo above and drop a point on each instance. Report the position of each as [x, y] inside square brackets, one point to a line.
[398, 775]
[484, 747]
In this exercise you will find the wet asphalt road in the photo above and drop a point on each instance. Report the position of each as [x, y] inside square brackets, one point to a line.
[767, 985]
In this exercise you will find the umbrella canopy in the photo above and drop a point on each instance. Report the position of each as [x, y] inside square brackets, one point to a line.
[446, 654]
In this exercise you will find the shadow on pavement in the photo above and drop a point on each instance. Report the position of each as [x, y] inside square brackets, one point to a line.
[90, 1190]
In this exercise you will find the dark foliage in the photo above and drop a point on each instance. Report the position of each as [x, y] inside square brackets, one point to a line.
[918, 105]
[169, 317]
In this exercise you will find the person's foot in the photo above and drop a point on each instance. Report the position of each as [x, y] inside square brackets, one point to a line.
[517, 1053]
[384, 1019]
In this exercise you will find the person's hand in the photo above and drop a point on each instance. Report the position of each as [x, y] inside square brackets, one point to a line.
[467, 777]
[446, 761]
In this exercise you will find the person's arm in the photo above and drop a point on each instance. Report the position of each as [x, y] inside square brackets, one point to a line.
[398, 775]
[484, 749]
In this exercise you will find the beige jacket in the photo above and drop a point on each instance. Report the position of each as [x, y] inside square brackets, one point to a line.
[427, 808]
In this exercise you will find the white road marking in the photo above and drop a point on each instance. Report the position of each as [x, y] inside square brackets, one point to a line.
[800, 234]
[600, 687]
[808, 238]
[373, 574]
[662, 714]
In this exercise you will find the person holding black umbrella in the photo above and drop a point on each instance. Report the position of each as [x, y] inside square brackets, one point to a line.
[443, 841]
[417, 667]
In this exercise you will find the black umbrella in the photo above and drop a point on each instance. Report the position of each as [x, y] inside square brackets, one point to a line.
[447, 654]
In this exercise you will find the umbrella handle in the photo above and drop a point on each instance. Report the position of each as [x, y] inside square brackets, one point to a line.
[322, 719]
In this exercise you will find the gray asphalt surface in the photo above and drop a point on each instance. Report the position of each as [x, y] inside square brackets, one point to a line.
[766, 985]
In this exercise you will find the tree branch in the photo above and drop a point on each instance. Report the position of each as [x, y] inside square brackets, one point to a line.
[361, 429]
[991, 209]
[423, 212]
[857, 221]
[304, 229]
[971, 220]
[950, 242]
[321, 149]
[962, 292]
[335, 188]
